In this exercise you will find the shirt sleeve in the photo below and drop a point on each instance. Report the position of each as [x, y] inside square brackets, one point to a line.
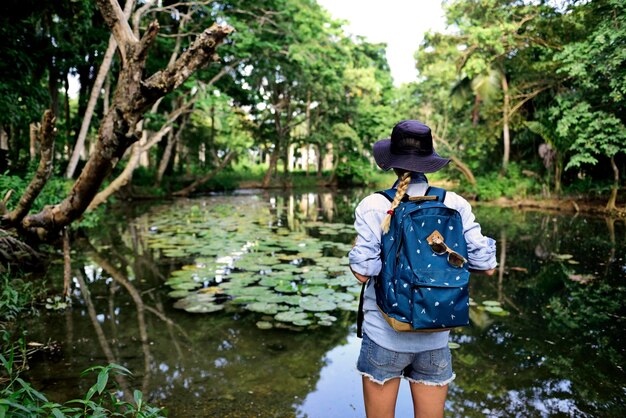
[481, 250]
[365, 255]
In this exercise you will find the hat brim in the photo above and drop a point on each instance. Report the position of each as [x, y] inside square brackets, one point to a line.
[388, 160]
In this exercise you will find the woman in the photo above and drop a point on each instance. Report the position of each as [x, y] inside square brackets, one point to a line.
[387, 355]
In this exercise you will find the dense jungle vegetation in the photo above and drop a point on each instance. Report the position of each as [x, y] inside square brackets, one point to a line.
[526, 97]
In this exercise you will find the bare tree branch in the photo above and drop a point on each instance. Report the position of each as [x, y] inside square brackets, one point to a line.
[118, 23]
[196, 56]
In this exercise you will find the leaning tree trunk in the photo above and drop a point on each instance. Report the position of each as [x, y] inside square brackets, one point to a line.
[132, 98]
[193, 186]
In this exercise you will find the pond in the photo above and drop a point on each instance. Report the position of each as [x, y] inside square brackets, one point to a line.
[242, 305]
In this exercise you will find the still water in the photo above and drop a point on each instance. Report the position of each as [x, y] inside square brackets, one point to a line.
[242, 306]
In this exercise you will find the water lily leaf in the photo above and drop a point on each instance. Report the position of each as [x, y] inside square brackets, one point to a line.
[343, 280]
[290, 316]
[204, 308]
[286, 288]
[293, 300]
[186, 286]
[496, 310]
[244, 299]
[176, 294]
[264, 325]
[270, 281]
[349, 306]
[263, 307]
[211, 290]
[343, 297]
[316, 304]
[317, 290]
[323, 316]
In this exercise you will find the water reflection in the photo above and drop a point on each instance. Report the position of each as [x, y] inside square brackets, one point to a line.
[556, 349]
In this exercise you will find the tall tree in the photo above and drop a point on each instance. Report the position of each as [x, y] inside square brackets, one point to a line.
[134, 95]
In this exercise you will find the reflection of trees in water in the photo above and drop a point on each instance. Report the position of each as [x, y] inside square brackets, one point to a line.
[197, 365]
[557, 355]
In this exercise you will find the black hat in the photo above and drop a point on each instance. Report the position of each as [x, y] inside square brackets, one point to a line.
[409, 148]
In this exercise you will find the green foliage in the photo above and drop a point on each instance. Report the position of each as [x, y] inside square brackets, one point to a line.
[513, 185]
[20, 399]
[354, 173]
[594, 133]
[54, 188]
[49, 195]
[17, 296]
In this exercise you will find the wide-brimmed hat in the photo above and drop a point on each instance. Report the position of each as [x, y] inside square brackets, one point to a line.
[409, 148]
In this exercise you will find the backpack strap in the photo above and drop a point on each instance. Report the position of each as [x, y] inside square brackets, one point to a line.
[437, 192]
[390, 194]
[361, 313]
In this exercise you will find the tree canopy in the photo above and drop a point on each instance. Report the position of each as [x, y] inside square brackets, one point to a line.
[526, 96]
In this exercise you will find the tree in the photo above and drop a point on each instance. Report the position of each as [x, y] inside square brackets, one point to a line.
[592, 110]
[133, 96]
[492, 33]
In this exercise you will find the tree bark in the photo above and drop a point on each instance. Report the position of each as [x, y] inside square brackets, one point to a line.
[132, 98]
[122, 180]
[505, 124]
[167, 155]
[611, 204]
[458, 164]
[464, 169]
[273, 162]
[34, 131]
[93, 97]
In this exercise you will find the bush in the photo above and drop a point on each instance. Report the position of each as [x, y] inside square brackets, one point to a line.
[17, 296]
[19, 399]
[514, 184]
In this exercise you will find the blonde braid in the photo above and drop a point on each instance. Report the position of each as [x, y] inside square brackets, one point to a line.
[400, 191]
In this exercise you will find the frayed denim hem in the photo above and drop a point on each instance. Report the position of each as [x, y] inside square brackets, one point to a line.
[379, 382]
[423, 382]
[428, 383]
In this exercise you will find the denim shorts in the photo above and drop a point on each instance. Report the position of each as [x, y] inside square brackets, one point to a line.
[432, 367]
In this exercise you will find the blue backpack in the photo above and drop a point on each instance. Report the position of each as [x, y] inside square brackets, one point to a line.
[424, 281]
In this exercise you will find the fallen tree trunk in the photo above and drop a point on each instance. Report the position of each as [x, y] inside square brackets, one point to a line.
[193, 186]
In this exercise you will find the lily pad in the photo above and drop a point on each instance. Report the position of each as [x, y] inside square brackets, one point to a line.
[263, 307]
[204, 308]
[290, 316]
[264, 325]
[315, 304]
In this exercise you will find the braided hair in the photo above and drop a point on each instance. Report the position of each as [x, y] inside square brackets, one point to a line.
[405, 179]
